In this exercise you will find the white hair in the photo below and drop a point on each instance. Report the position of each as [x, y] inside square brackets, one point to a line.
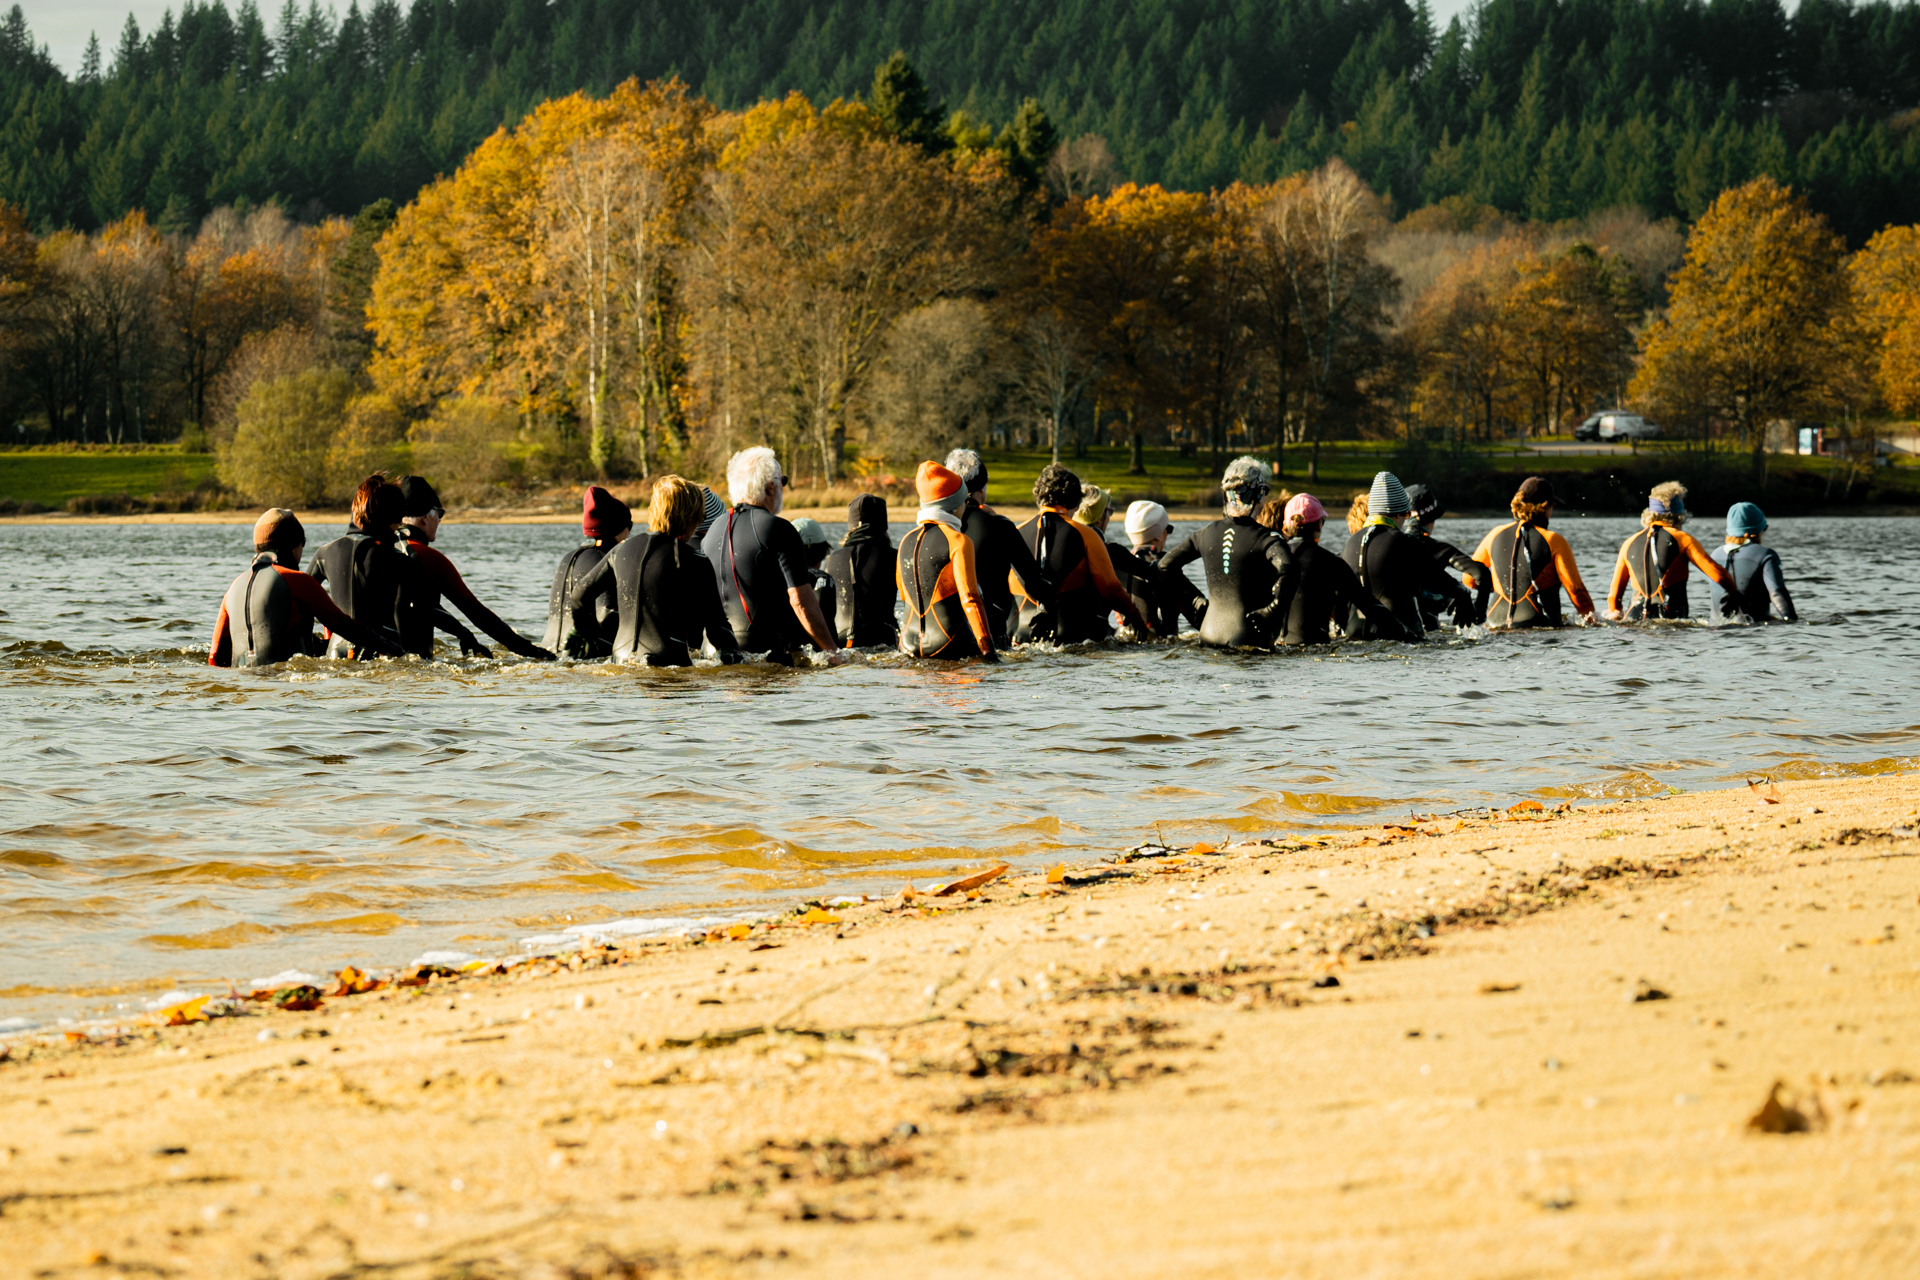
[966, 464]
[1244, 485]
[753, 478]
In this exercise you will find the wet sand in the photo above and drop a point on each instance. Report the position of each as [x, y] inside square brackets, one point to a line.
[1144, 1071]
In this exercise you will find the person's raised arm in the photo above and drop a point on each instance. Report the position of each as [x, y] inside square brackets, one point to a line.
[1704, 561]
[579, 604]
[455, 589]
[806, 607]
[220, 654]
[314, 598]
[1569, 573]
[966, 578]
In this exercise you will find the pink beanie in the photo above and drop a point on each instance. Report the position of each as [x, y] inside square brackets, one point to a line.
[1305, 508]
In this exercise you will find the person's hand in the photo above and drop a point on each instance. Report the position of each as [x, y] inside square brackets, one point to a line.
[839, 658]
[1588, 620]
[990, 656]
[1613, 615]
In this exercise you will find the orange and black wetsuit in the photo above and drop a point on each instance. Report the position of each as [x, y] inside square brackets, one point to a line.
[1655, 560]
[946, 612]
[1003, 559]
[267, 617]
[1527, 566]
[436, 577]
[1074, 560]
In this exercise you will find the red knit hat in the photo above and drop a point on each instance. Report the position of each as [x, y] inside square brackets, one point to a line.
[935, 482]
[602, 515]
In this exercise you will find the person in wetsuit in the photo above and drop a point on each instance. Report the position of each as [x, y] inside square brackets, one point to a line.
[1393, 567]
[1251, 576]
[1074, 561]
[268, 613]
[864, 587]
[1759, 592]
[946, 614]
[666, 598]
[604, 521]
[817, 545]
[1418, 525]
[761, 568]
[367, 576]
[1528, 565]
[1162, 598]
[999, 551]
[1655, 560]
[437, 579]
[1327, 588]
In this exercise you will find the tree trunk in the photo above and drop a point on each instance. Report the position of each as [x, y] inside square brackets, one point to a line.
[1136, 441]
[1313, 459]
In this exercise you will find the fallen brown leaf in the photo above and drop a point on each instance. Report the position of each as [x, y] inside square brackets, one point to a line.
[1526, 806]
[1056, 875]
[1498, 988]
[181, 1014]
[354, 982]
[973, 881]
[819, 915]
[1771, 795]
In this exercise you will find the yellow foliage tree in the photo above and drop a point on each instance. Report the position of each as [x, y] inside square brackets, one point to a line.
[1886, 282]
[1756, 327]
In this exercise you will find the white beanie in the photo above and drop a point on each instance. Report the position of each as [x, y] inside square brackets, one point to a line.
[1387, 497]
[1146, 517]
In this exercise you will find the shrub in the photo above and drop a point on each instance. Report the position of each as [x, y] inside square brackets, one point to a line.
[373, 438]
[283, 434]
[474, 449]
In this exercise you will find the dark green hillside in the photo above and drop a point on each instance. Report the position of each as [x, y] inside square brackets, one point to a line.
[1544, 108]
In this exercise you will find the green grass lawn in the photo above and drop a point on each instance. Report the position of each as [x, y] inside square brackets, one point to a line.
[50, 477]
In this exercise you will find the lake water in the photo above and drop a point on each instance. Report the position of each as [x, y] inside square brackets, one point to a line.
[164, 824]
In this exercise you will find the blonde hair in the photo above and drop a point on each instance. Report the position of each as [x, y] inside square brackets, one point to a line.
[1357, 513]
[1741, 539]
[1673, 493]
[676, 507]
[1528, 512]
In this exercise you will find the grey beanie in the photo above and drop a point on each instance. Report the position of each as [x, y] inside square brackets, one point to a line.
[713, 510]
[1387, 497]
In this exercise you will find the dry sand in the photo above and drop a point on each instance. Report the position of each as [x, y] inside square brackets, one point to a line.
[1128, 1076]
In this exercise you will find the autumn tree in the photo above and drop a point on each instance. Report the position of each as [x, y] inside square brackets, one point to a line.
[1125, 269]
[821, 231]
[1315, 235]
[1885, 277]
[1753, 331]
[1566, 321]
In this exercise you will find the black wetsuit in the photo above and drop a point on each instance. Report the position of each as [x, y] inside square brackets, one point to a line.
[1251, 579]
[757, 558]
[864, 594]
[1466, 608]
[372, 582]
[1760, 588]
[667, 600]
[1162, 598]
[268, 613]
[1395, 569]
[827, 592]
[593, 637]
[999, 550]
[1329, 588]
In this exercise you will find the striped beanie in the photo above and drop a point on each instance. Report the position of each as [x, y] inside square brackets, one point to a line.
[1387, 497]
[713, 509]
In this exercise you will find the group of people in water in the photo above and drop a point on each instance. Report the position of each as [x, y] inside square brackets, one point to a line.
[735, 578]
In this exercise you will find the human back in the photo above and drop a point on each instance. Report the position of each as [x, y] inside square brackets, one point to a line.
[1529, 565]
[862, 568]
[364, 573]
[1249, 569]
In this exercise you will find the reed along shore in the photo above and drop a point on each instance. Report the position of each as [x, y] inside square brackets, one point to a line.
[1673, 1036]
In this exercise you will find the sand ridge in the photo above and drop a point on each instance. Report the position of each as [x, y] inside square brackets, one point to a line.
[1181, 1065]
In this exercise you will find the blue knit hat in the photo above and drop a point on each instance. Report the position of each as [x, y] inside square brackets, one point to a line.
[1744, 518]
[1387, 497]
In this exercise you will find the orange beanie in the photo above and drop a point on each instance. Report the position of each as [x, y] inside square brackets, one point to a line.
[935, 482]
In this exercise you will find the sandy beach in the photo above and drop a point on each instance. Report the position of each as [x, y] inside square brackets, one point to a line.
[1518, 1043]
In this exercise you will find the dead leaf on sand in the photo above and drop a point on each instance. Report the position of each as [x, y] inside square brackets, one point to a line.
[1056, 875]
[1527, 806]
[819, 915]
[354, 982]
[1771, 795]
[973, 881]
[1644, 991]
[181, 1014]
[297, 999]
[1811, 1112]
[1498, 988]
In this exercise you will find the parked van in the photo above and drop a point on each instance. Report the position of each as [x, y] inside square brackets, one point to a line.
[1616, 424]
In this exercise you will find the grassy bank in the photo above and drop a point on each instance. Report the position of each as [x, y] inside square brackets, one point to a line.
[1485, 478]
[105, 479]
